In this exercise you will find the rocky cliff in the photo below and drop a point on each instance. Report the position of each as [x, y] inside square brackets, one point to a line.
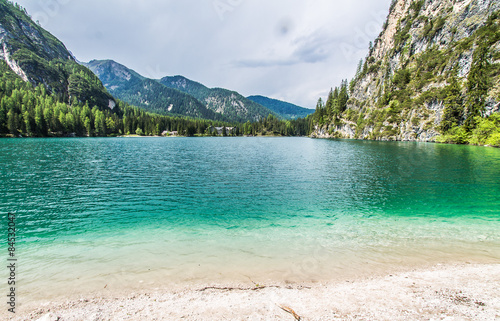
[434, 67]
[36, 56]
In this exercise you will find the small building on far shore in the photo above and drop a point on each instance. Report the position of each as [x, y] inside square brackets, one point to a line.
[170, 133]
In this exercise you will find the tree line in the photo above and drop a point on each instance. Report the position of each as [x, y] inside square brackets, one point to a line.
[30, 111]
[336, 104]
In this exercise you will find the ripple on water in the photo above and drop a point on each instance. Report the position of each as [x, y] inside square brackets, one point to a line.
[178, 210]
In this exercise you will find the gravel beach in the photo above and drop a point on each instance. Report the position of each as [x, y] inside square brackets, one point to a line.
[444, 292]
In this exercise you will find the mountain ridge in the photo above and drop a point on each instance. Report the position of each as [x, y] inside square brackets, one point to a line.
[283, 108]
[176, 95]
[135, 89]
[224, 101]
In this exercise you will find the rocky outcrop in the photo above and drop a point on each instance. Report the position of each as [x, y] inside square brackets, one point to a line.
[431, 41]
[19, 33]
[36, 56]
[6, 55]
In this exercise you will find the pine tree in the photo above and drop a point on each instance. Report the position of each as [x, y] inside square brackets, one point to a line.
[454, 111]
[343, 96]
[329, 106]
[12, 122]
[477, 85]
[41, 128]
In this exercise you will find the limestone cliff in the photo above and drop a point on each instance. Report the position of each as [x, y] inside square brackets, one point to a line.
[20, 37]
[36, 56]
[435, 66]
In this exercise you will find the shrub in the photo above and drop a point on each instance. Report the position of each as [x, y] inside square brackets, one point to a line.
[494, 140]
[487, 131]
[457, 135]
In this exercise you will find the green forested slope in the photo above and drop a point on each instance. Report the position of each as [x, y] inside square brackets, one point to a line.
[34, 112]
[129, 86]
[222, 101]
[45, 92]
[38, 57]
[282, 108]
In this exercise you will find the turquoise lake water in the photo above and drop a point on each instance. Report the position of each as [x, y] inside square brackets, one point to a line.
[151, 212]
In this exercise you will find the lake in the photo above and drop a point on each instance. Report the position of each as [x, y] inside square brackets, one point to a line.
[132, 213]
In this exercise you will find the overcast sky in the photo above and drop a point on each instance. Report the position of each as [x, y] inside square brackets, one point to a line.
[293, 50]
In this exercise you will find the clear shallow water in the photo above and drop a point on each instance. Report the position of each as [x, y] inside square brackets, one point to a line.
[134, 212]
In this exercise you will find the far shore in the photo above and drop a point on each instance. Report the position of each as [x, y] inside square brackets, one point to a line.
[249, 136]
[443, 292]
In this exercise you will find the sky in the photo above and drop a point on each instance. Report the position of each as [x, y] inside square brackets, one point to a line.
[292, 50]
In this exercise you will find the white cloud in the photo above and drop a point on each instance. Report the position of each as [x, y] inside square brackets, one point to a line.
[293, 50]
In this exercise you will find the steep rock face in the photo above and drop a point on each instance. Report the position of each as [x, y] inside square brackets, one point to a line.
[401, 91]
[6, 56]
[18, 34]
[17, 31]
[38, 57]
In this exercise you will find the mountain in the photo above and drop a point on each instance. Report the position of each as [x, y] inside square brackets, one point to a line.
[284, 109]
[45, 92]
[149, 94]
[30, 53]
[433, 74]
[226, 102]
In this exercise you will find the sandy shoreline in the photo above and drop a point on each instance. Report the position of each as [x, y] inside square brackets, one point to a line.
[444, 292]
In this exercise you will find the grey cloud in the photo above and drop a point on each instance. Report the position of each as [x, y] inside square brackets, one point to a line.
[314, 48]
[287, 48]
[257, 63]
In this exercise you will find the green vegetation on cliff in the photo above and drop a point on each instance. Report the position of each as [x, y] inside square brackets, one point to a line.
[40, 58]
[434, 78]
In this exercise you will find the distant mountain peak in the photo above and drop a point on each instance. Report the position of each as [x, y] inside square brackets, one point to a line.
[229, 103]
[110, 72]
[131, 87]
[182, 96]
[179, 81]
[284, 109]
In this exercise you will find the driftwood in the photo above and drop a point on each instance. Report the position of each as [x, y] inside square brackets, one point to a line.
[290, 310]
